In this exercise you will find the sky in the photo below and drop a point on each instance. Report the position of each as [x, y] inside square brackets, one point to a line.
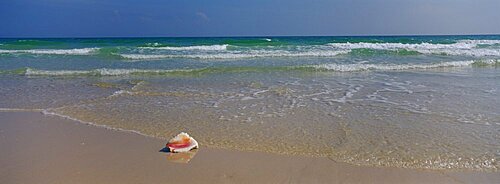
[154, 18]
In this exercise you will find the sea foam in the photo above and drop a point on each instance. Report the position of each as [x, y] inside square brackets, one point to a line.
[196, 47]
[461, 47]
[327, 67]
[97, 72]
[239, 55]
[365, 67]
[82, 51]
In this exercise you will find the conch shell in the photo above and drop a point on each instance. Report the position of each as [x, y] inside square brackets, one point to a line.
[182, 143]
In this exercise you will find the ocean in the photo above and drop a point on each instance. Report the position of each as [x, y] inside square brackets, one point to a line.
[426, 102]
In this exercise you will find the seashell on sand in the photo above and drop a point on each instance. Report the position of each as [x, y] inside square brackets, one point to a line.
[182, 143]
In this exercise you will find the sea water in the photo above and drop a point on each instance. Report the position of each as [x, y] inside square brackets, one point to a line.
[399, 101]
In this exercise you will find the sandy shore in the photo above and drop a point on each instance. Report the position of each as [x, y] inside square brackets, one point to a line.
[45, 149]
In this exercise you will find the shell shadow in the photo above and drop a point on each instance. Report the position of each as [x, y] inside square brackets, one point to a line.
[165, 150]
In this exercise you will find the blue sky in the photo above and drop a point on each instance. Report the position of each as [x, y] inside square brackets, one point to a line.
[117, 18]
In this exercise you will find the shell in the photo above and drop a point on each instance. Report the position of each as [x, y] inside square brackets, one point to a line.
[182, 143]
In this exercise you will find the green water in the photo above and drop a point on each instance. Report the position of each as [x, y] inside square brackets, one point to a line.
[412, 102]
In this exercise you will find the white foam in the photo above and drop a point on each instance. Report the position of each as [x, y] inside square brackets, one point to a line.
[121, 92]
[155, 44]
[19, 110]
[146, 56]
[30, 71]
[239, 55]
[394, 46]
[462, 47]
[331, 67]
[480, 42]
[365, 67]
[115, 72]
[101, 71]
[82, 51]
[463, 52]
[196, 47]
[488, 61]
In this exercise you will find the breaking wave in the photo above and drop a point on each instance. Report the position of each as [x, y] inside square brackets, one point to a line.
[331, 67]
[239, 55]
[462, 47]
[82, 51]
[365, 67]
[97, 72]
[187, 48]
[239, 49]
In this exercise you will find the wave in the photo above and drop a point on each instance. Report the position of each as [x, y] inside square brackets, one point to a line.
[187, 48]
[125, 72]
[82, 51]
[375, 52]
[154, 44]
[266, 47]
[472, 52]
[480, 42]
[239, 55]
[19, 110]
[332, 67]
[366, 67]
[461, 44]
[262, 48]
[461, 47]
[97, 72]
[256, 42]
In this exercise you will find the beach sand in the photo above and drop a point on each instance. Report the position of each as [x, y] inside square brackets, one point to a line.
[35, 148]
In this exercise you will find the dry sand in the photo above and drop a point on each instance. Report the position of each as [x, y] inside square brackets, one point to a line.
[45, 149]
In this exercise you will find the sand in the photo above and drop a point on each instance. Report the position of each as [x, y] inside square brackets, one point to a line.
[35, 148]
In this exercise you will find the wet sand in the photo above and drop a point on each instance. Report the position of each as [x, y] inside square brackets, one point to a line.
[46, 149]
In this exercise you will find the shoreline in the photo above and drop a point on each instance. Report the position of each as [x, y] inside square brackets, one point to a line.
[50, 149]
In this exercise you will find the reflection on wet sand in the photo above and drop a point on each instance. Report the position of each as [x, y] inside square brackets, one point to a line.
[183, 157]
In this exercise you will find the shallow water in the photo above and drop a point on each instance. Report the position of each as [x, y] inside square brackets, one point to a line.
[433, 104]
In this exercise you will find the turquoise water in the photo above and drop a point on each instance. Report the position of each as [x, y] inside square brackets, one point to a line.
[196, 53]
[414, 101]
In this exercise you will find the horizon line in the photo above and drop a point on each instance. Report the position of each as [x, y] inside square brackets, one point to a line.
[256, 36]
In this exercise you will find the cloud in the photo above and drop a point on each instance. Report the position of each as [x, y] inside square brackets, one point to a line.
[202, 16]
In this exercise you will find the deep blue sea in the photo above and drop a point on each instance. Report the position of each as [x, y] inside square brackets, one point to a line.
[400, 101]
